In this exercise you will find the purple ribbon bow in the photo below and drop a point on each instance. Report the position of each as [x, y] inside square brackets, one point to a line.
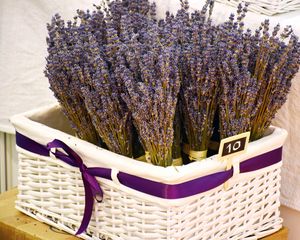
[91, 186]
[147, 186]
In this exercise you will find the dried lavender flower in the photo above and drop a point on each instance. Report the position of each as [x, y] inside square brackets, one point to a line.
[200, 86]
[87, 59]
[119, 66]
[238, 86]
[66, 89]
[152, 99]
[256, 72]
[276, 65]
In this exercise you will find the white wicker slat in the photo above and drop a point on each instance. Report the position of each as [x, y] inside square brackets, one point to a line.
[40, 195]
[270, 8]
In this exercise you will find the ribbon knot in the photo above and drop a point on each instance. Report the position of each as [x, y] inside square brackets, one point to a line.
[82, 168]
[91, 186]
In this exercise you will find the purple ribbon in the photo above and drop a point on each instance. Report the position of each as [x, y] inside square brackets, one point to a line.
[91, 186]
[157, 189]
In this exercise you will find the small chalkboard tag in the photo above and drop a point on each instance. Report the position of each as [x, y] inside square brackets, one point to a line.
[233, 146]
[230, 147]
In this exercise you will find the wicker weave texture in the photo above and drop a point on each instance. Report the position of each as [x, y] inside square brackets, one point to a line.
[266, 7]
[52, 191]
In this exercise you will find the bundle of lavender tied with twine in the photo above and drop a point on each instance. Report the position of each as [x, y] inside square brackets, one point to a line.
[152, 88]
[119, 70]
[199, 79]
[255, 72]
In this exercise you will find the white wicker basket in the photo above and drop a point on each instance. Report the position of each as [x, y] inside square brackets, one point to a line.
[267, 7]
[52, 191]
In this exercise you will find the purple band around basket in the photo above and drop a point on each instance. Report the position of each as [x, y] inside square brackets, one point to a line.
[157, 189]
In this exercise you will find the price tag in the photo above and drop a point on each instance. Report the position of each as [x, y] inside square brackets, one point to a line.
[233, 146]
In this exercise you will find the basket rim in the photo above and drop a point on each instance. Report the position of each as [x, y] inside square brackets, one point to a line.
[94, 156]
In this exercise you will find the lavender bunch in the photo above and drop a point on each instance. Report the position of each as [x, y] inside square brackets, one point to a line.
[60, 61]
[151, 96]
[200, 86]
[101, 90]
[276, 60]
[255, 72]
[102, 96]
[238, 87]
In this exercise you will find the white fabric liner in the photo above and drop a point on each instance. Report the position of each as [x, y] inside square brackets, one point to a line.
[22, 60]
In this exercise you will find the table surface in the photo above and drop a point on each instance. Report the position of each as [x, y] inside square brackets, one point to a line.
[15, 225]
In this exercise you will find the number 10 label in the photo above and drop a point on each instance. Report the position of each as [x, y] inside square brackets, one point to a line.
[234, 145]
